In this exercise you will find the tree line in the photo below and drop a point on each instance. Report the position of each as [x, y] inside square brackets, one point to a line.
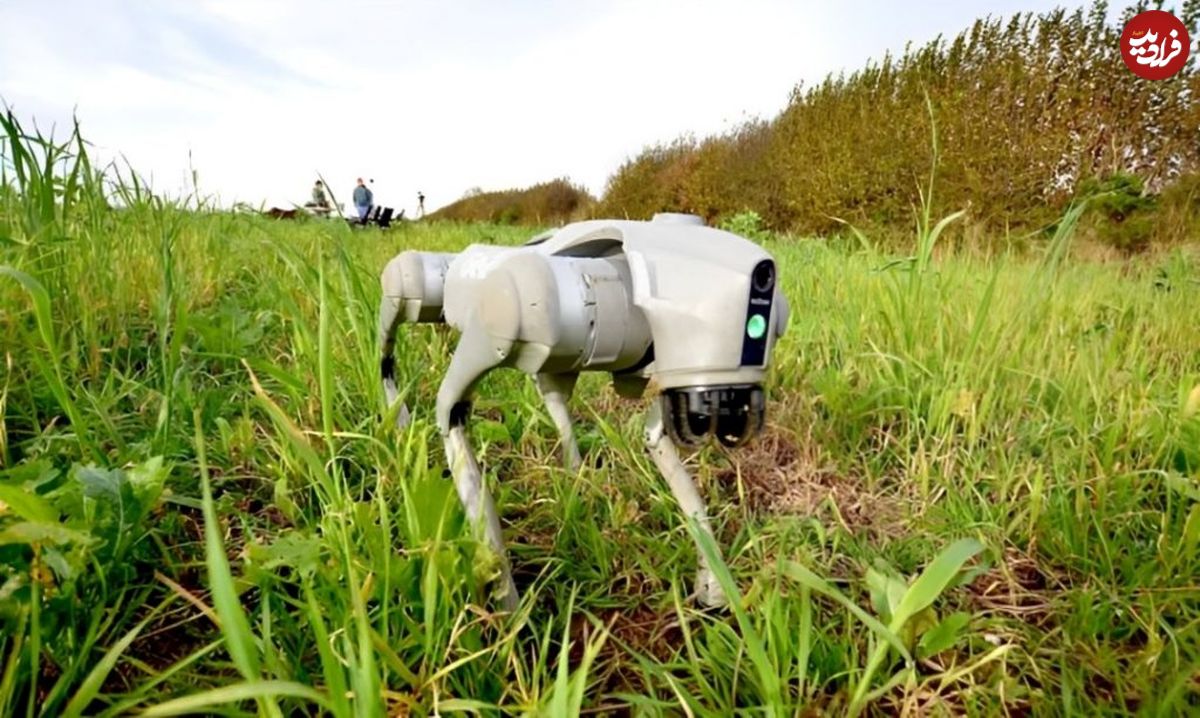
[1029, 113]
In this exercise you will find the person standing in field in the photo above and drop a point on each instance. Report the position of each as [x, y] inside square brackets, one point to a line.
[362, 199]
[420, 204]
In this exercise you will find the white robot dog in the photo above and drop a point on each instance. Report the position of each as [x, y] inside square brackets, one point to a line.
[685, 311]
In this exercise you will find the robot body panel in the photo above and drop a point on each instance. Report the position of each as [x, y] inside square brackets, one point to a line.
[464, 276]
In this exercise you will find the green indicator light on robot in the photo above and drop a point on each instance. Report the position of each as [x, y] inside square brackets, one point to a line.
[756, 327]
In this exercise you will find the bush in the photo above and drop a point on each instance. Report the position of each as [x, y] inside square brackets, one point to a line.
[1028, 109]
[748, 224]
[549, 203]
[1178, 212]
[1122, 214]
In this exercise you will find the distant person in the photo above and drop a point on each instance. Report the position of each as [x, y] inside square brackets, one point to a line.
[319, 203]
[363, 198]
[319, 199]
[420, 204]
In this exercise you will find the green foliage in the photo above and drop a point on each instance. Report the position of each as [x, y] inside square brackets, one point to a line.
[1116, 197]
[50, 181]
[1124, 213]
[66, 542]
[547, 204]
[747, 224]
[907, 609]
[55, 528]
[1028, 108]
[1177, 212]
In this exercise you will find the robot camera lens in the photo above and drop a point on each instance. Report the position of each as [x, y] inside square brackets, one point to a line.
[764, 277]
[742, 415]
[699, 424]
[734, 414]
[731, 429]
[689, 420]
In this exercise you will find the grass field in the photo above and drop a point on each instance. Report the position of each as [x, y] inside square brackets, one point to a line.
[205, 506]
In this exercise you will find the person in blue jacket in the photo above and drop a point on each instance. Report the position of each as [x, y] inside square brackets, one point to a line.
[362, 199]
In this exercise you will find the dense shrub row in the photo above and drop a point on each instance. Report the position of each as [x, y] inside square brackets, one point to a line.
[1030, 112]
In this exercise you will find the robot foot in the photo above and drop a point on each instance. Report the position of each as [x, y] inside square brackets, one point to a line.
[708, 591]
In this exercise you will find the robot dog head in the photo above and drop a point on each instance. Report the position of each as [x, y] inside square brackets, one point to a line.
[713, 307]
[714, 317]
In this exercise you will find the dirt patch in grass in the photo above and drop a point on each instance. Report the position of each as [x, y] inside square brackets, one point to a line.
[640, 629]
[174, 635]
[784, 473]
[1018, 586]
[931, 699]
[171, 638]
[650, 632]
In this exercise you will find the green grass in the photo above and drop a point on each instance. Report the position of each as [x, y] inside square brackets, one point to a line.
[979, 491]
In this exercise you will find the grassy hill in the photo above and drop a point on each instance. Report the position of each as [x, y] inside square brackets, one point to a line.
[550, 203]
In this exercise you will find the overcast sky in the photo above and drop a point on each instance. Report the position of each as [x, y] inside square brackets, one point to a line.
[432, 96]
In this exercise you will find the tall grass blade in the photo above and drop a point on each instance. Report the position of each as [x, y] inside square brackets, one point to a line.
[806, 578]
[90, 687]
[45, 324]
[235, 627]
[768, 674]
[262, 691]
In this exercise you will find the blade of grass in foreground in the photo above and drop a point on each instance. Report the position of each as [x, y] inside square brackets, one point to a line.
[54, 375]
[569, 689]
[91, 685]
[324, 362]
[754, 644]
[235, 627]
[807, 579]
[236, 693]
[12, 664]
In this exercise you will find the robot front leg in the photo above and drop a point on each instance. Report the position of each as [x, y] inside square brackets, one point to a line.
[390, 319]
[478, 504]
[477, 353]
[666, 458]
[556, 389]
